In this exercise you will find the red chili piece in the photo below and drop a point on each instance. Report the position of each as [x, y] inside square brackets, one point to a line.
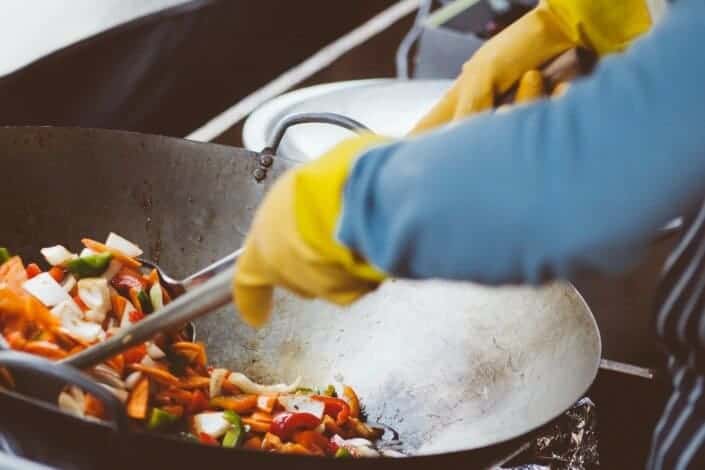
[207, 439]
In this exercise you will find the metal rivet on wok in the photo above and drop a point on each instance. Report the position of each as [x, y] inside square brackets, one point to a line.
[259, 174]
[266, 160]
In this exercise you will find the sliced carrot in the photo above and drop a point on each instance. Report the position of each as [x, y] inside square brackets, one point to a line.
[257, 426]
[172, 394]
[159, 375]
[135, 354]
[261, 416]
[191, 351]
[138, 400]
[352, 400]
[253, 443]
[152, 278]
[80, 303]
[134, 293]
[45, 349]
[32, 270]
[332, 427]
[57, 273]
[117, 254]
[15, 339]
[266, 403]
[190, 383]
[118, 304]
[117, 363]
[271, 441]
[311, 440]
[239, 403]
[93, 406]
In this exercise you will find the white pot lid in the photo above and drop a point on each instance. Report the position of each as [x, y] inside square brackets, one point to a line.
[387, 106]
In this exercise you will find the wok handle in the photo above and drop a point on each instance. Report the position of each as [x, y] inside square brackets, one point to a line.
[312, 118]
[65, 374]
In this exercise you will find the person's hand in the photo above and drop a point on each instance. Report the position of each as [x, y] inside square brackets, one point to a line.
[292, 239]
[554, 26]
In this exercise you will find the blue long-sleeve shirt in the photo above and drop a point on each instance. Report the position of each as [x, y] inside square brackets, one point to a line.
[551, 188]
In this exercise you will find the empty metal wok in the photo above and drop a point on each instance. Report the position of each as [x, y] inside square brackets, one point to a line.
[455, 368]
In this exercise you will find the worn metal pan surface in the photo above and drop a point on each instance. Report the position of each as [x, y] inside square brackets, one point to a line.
[451, 366]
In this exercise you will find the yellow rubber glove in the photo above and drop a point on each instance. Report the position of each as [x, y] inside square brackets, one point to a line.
[292, 239]
[554, 26]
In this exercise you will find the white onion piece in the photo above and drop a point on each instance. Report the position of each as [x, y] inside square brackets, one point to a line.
[132, 380]
[46, 289]
[85, 331]
[213, 424]
[363, 451]
[87, 252]
[57, 255]
[94, 293]
[155, 352]
[242, 382]
[216, 383]
[119, 243]
[70, 405]
[148, 361]
[302, 404]
[69, 283]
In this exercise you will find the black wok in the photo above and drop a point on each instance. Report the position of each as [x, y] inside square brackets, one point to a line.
[464, 373]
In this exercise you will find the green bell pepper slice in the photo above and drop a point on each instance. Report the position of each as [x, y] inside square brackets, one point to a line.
[89, 266]
[160, 419]
[233, 437]
[4, 255]
[342, 453]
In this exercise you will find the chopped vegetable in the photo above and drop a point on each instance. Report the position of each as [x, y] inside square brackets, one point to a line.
[216, 382]
[335, 407]
[286, 424]
[206, 439]
[155, 296]
[117, 242]
[155, 352]
[46, 290]
[239, 403]
[58, 274]
[160, 419]
[89, 266]
[33, 270]
[95, 295]
[330, 391]
[4, 255]
[144, 302]
[352, 400]
[117, 254]
[234, 435]
[248, 386]
[342, 453]
[302, 404]
[139, 399]
[212, 423]
[266, 402]
[57, 255]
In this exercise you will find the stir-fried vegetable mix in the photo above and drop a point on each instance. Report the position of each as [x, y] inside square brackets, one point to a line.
[166, 384]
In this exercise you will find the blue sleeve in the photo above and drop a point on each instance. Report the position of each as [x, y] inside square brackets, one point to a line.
[549, 189]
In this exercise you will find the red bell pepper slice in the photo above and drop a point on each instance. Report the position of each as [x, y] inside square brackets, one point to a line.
[207, 439]
[335, 408]
[32, 270]
[198, 403]
[284, 425]
[127, 279]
